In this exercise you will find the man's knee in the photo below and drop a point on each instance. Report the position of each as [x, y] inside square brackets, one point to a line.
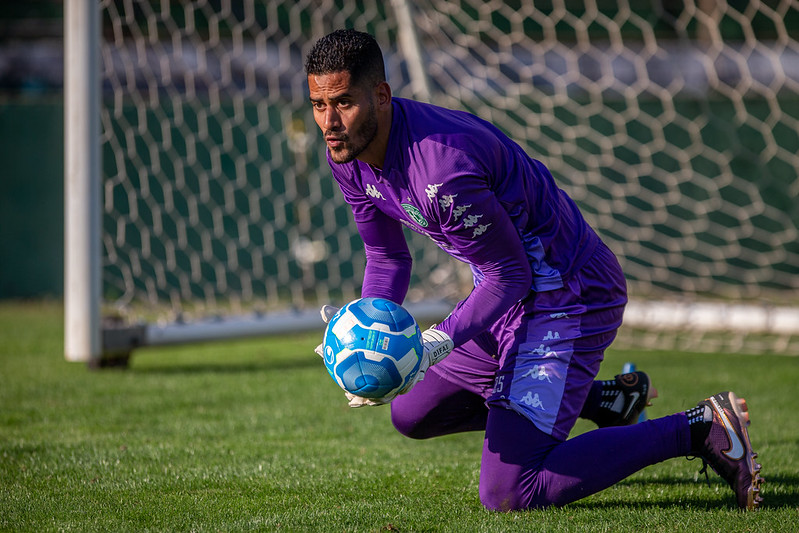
[500, 496]
[507, 494]
[511, 471]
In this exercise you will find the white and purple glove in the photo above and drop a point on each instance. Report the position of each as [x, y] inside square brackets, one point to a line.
[436, 345]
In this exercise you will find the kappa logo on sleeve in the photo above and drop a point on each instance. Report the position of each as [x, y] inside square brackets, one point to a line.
[459, 211]
[479, 230]
[447, 200]
[432, 190]
[471, 220]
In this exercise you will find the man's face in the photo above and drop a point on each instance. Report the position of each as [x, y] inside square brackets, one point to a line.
[345, 113]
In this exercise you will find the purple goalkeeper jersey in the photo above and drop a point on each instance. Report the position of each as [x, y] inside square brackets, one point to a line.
[460, 181]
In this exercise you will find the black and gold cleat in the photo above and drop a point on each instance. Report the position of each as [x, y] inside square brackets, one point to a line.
[727, 449]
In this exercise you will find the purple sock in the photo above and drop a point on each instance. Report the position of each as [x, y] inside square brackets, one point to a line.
[591, 405]
[523, 467]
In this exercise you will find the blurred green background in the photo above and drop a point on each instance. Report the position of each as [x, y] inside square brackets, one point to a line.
[32, 128]
[31, 148]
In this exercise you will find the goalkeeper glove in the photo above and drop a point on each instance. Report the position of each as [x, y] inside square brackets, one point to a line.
[436, 345]
[327, 312]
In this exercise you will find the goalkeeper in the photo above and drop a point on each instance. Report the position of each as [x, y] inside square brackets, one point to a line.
[518, 357]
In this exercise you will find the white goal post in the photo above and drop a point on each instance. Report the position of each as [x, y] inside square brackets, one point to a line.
[199, 206]
[82, 271]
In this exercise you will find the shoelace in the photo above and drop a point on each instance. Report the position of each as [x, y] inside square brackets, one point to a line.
[703, 470]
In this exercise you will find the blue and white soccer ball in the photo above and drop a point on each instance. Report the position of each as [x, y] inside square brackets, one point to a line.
[372, 347]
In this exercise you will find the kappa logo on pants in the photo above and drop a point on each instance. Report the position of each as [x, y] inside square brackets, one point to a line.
[533, 400]
[551, 336]
[538, 372]
[546, 351]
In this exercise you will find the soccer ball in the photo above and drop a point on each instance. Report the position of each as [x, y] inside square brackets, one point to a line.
[372, 347]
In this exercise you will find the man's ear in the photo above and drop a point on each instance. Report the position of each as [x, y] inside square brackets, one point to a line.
[383, 94]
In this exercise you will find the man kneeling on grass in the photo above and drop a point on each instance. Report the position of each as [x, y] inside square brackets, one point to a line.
[518, 357]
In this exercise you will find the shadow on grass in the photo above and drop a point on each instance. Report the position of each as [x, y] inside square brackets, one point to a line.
[778, 491]
[691, 503]
[222, 367]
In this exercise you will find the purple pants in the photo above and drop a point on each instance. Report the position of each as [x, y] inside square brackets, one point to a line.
[525, 381]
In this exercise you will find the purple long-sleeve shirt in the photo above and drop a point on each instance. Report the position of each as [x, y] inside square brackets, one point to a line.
[463, 183]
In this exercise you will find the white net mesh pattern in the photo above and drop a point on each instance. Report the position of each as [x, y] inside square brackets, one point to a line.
[674, 125]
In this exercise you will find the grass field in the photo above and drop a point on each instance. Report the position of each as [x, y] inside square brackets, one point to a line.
[253, 436]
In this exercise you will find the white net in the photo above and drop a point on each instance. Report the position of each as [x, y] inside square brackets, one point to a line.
[674, 125]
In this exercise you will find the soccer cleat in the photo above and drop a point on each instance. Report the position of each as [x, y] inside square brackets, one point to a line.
[624, 398]
[728, 451]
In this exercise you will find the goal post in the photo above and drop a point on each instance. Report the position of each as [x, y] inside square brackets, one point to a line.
[672, 125]
[82, 272]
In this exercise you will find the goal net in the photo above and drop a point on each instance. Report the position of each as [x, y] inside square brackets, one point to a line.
[674, 125]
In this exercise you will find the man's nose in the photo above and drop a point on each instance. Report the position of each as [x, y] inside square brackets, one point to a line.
[332, 119]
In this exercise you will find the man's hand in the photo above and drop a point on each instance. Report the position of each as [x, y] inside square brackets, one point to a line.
[327, 312]
[357, 401]
[436, 345]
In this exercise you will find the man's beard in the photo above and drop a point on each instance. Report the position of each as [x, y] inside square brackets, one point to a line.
[357, 142]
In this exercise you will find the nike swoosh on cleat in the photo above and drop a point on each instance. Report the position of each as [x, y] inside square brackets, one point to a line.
[635, 396]
[736, 450]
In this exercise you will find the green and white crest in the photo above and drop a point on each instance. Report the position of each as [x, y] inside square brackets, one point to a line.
[415, 214]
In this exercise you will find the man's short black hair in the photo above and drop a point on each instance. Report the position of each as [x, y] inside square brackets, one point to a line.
[347, 51]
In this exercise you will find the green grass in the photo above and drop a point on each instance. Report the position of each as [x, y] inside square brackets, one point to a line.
[253, 436]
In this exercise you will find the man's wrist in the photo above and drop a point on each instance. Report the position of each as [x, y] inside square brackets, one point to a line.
[437, 344]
